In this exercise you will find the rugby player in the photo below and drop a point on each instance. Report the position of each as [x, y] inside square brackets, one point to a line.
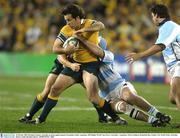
[87, 62]
[168, 42]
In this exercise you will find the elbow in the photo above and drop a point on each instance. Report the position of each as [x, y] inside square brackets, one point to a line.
[101, 26]
[100, 54]
[54, 50]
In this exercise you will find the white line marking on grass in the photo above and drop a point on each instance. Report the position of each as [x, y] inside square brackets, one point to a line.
[74, 108]
[28, 95]
[15, 93]
[167, 108]
[55, 109]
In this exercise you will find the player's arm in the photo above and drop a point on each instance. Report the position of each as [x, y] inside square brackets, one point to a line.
[104, 55]
[96, 50]
[58, 48]
[63, 59]
[95, 26]
[151, 51]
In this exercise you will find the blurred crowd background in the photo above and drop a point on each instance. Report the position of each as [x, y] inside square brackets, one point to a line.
[32, 25]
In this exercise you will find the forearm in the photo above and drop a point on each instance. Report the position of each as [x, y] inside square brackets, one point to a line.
[59, 50]
[95, 49]
[58, 47]
[151, 51]
[64, 61]
[97, 26]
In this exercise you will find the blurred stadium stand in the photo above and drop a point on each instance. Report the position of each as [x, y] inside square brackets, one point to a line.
[31, 26]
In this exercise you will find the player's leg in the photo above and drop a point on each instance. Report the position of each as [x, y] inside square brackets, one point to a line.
[134, 99]
[121, 106]
[129, 95]
[175, 91]
[91, 84]
[102, 117]
[39, 99]
[62, 82]
[171, 96]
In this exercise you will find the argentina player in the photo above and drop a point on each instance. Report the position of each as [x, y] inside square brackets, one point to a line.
[121, 94]
[168, 42]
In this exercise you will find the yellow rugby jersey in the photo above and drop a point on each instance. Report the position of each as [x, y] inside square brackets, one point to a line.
[82, 55]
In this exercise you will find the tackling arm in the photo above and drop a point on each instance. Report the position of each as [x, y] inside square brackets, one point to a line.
[96, 26]
[96, 50]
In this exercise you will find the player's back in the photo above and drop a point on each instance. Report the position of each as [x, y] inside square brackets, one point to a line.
[109, 79]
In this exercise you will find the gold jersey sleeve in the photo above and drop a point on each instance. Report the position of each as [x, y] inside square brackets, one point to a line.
[65, 32]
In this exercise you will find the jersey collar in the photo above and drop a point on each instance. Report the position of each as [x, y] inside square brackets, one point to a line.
[165, 20]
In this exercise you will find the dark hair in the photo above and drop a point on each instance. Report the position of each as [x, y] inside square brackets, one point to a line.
[161, 11]
[74, 10]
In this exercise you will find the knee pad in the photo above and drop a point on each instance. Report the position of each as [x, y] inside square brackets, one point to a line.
[123, 107]
[119, 107]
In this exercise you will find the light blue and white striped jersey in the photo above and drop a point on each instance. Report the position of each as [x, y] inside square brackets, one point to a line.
[169, 35]
[109, 79]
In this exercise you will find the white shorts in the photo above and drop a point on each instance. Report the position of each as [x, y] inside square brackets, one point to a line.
[175, 71]
[116, 94]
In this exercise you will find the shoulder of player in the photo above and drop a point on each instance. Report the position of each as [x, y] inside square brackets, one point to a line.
[168, 26]
[66, 28]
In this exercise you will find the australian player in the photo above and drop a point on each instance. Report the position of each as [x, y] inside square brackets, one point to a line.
[87, 62]
[168, 42]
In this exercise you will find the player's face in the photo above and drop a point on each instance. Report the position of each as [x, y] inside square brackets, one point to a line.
[74, 23]
[155, 18]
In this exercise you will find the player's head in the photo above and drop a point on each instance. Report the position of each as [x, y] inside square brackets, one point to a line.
[73, 14]
[102, 43]
[159, 11]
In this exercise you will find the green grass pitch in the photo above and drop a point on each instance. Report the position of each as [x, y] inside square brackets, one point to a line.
[73, 113]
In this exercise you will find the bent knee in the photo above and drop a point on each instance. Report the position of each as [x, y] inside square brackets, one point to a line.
[127, 96]
[55, 90]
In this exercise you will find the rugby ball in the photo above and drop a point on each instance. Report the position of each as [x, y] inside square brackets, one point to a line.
[71, 41]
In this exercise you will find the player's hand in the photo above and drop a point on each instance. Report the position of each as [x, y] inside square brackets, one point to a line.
[131, 57]
[75, 67]
[70, 49]
[79, 37]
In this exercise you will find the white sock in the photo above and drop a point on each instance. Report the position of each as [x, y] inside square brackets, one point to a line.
[153, 111]
[151, 119]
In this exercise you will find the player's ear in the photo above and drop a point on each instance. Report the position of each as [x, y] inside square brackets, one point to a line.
[77, 18]
[156, 15]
